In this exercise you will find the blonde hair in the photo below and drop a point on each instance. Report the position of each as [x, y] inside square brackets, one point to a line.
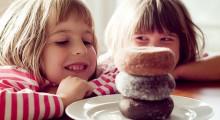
[23, 30]
[139, 16]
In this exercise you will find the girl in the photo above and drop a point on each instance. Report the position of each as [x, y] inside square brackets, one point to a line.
[47, 55]
[162, 23]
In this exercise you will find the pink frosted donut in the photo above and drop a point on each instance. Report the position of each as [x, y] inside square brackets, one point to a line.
[145, 87]
[145, 61]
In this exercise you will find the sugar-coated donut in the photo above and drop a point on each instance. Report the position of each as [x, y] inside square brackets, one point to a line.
[145, 60]
[145, 87]
[146, 110]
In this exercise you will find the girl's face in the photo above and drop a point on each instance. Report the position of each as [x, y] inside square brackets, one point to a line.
[69, 50]
[168, 40]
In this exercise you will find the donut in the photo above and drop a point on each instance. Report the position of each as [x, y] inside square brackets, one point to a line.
[145, 61]
[145, 87]
[146, 110]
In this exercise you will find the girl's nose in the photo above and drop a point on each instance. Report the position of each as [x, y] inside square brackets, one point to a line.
[153, 43]
[79, 49]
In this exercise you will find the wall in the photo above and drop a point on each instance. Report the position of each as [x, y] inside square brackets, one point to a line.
[101, 11]
[204, 13]
[3, 5]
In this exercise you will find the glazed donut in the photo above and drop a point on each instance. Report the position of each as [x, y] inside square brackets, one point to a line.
[146, 110]
[145, 87]
[145, 60]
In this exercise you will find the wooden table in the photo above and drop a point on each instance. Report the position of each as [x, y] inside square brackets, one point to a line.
[208, 92]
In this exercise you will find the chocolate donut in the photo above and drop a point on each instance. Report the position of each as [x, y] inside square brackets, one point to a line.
[145, 87]
[145, 60]
[146, 110]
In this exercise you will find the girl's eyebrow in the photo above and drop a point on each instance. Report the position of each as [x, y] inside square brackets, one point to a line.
[171, 34]
[58, 31]
[65, 31]
[89, 31]
[138, 35]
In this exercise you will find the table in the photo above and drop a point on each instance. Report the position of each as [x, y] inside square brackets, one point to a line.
[208, 92]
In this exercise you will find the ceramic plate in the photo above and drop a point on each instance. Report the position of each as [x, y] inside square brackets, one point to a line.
[106, 108]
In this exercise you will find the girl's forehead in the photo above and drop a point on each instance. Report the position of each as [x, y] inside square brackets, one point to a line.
[72, 24]
[60, 13]
[159, 25]
[144, 29]
[54, 20]
[159, 15]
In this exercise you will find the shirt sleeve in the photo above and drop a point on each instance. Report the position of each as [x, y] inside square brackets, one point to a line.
[20, 99]
[104, 84]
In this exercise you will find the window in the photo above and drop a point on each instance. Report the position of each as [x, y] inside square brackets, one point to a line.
[204, 13]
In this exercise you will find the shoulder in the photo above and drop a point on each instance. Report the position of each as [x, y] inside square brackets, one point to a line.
[106, 64]
[105, 58]
[107, 70]
[15, 71]
[17, 78]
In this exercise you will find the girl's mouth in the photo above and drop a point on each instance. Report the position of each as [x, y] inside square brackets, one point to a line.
[76, 67]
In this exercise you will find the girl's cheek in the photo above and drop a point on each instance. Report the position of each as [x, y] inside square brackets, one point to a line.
[133, 44]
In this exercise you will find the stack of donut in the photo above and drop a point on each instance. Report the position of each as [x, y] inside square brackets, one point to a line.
[145, 83]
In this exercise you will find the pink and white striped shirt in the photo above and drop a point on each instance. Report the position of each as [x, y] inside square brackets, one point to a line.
[20, 96]
[105, 83]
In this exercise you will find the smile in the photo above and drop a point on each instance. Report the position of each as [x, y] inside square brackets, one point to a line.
[76, 67]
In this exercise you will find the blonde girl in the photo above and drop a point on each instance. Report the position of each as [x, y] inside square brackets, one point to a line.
[48, 54]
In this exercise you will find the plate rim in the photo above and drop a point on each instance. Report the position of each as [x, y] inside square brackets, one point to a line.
[118, 96]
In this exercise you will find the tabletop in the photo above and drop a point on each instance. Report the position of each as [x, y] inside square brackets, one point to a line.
[208, 92]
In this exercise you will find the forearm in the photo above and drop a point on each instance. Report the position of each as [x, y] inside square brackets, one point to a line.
[20, 99]
[204, 69]
[105, 83]
[28, 104]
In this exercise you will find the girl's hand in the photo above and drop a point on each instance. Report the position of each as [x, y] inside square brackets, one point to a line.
[72, 89]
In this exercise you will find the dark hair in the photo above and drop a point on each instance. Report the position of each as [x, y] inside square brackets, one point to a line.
[172, 16]
[161, 15]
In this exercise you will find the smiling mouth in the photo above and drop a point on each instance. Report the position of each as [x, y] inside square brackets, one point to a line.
[76, 67]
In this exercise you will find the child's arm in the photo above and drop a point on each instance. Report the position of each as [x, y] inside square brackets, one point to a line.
[207, 68]
[19, 98]
[104, 84]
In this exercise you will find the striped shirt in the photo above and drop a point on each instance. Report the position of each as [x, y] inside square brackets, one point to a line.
[105, 83]
[20, 96]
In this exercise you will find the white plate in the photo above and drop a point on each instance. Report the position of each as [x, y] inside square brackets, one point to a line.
[106, 108]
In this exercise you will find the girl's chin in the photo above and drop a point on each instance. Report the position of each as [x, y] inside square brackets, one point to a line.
[81, 76]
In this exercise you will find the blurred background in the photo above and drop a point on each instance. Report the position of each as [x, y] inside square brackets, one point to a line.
[204, 13]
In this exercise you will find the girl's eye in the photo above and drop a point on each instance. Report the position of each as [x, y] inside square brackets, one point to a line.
[167, 39]
[88, 39]
[61, 43]
[141, 38]
[87, 43]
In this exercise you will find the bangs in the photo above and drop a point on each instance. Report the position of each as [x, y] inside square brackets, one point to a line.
[159, 16]
[76, 8]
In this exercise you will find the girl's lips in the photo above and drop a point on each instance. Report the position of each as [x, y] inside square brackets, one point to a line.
[76, 67]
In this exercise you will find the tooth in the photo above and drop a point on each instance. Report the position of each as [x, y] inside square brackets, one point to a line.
[76, 67]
